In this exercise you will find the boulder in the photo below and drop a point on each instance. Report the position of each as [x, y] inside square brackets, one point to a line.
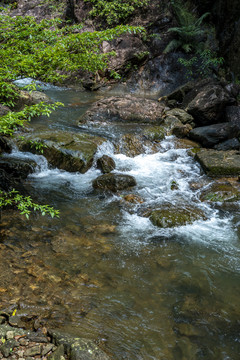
[219, 163]
[182, 115]
[155, 133]
[64, 150]
[106, 164]
[30, 98]
[130, 145]
[114, 182]
[171, 216]
[230, 144]
[211, 135]
[5, 145]
[233, 115]
[221, 192]
[128, 109]
[4, 110]
[206, 102]
[181, 131]
[17, 168]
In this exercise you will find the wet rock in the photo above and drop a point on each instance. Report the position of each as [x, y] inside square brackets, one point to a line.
[211, 135]
[188, 330]
[168, 216]
[220, 192]
[160, 75]
[106, 164]
[186, 144]
[155, 133]
[130, 145]
[27, 98]
[7, 182]
[78, 348]
[182, 115]
[33, 351]
[38, 96]
[8, 346]
[230, 144]
[114, 182]
[133, 199]
[46, 349]
[2, 320]
[233, 115]
[4, 110]
[178, 94]
[181, 131]
[5, 145]
[128, 109]
[206, 102]
[219, 163]
[68, 151]
[18, 168]
[58, 354]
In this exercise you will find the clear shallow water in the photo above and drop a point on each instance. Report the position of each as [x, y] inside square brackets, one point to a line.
[108, 274]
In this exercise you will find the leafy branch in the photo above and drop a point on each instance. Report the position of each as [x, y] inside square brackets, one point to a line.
[25, 204]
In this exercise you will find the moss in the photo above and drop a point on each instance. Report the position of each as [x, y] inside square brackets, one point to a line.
[172, 216]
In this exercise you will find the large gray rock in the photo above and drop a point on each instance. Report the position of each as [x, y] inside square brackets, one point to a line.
[211, 135]
[219, 163]
[114, 182]
[127, 109]
[18, 168]
[64, 150]
[208, 104]
[233, 115]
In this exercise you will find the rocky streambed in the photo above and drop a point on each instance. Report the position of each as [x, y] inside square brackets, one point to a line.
[143, 262]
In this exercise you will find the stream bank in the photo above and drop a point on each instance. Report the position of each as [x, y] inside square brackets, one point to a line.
[103, 271]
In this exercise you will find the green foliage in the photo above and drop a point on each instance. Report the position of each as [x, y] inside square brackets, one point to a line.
[8, 93]
[12, 120]
[25, 204]
[189, 33]
[115, 11]
[203, 64]
[45, 51]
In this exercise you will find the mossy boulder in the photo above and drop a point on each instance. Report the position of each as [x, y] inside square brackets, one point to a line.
[182, 115]
[170, 216]
[219, 163]
[64, 150]
[155, 133]
[27, 98]
[114, 182]
[221, 192]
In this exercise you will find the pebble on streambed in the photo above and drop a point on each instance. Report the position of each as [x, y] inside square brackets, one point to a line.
[21, 344]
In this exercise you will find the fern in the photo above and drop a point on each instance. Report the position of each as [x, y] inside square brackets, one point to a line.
[188, 32]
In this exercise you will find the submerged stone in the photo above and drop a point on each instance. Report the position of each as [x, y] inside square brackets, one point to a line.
[114, 182]
[219, 163]
[64, 150]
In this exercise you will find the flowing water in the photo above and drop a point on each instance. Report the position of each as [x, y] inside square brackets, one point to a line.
[104, 272]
